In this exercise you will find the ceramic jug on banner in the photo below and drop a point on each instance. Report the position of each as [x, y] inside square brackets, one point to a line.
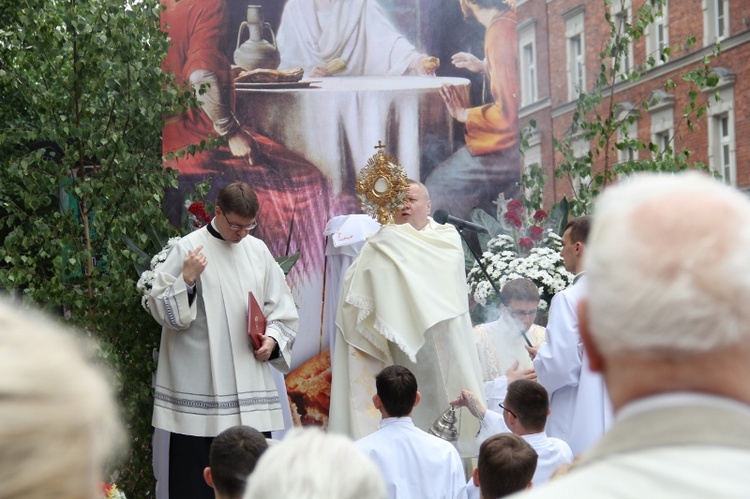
[256, 52]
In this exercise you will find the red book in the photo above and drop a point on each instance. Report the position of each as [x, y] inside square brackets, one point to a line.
[256, 322]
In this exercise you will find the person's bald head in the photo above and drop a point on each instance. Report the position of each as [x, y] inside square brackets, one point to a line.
[417, 206]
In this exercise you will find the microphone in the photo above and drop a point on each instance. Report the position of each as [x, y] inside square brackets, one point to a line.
[442, 217]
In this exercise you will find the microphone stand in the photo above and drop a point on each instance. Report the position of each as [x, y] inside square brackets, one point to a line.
[478, 259]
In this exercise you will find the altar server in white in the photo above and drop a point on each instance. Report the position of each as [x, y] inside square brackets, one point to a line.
[413, 462]
[666, 320]
[208, 377]
[579, 403]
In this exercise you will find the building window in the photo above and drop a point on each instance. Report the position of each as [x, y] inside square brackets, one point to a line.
[621, 18]
[527, 56]
[715, 20]
[721, 134]
[658, 35]
[628, 131]
[662, 122]
[724, 142]
[661, 139]
[576, 53]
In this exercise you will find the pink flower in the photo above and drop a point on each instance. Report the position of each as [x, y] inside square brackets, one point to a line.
[526, 243]
[540, 216]
[512, 219]
[536, 233]
[515, 206]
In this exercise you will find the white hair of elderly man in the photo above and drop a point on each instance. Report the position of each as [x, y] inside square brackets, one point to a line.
[315, 465]
[668, 266]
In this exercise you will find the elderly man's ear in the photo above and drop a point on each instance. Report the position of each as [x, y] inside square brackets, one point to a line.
[596, 362]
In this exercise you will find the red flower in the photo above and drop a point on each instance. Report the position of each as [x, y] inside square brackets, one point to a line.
[540, 216]
[526, 243]
[536, 233]
[512, 219]
[515, 206]
[199, 211]
[106, 488]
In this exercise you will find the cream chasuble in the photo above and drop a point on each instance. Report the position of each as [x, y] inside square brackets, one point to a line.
[207, 377]
[405, 301]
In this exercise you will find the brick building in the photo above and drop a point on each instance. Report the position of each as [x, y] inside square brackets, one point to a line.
[559, 52]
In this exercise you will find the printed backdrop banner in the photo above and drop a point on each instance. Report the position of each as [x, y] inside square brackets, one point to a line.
[374, 70]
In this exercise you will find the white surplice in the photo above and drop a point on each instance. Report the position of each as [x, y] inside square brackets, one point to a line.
[413, 463]
[580, 407]
[499, 345]
[405, 301]
[207, 377]
[357, 31]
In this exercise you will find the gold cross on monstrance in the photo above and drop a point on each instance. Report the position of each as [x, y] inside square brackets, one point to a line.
[379, 146]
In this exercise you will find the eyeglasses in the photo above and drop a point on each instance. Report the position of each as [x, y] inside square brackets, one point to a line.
[236, 227]
[506, 409]
[520, 314]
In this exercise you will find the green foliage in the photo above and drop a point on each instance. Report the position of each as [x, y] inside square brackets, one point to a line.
[600, 122]
[82, 101]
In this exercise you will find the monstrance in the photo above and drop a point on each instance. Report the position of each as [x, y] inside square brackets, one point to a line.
[381, 186]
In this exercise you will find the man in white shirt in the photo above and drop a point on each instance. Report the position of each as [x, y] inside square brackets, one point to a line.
[580, 406]
[666, 320]
[413, 463]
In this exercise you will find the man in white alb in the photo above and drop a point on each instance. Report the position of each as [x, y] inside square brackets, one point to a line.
[579, 403]
[208, 377]
[404, 301]
[413, 462]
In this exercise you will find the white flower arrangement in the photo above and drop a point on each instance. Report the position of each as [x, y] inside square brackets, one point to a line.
[146, 281]
[505, 261]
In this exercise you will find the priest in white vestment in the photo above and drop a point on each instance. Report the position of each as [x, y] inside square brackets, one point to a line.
[208, 377]
[413, 463]
[405, 301]
[313, 33]
[579, 402]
